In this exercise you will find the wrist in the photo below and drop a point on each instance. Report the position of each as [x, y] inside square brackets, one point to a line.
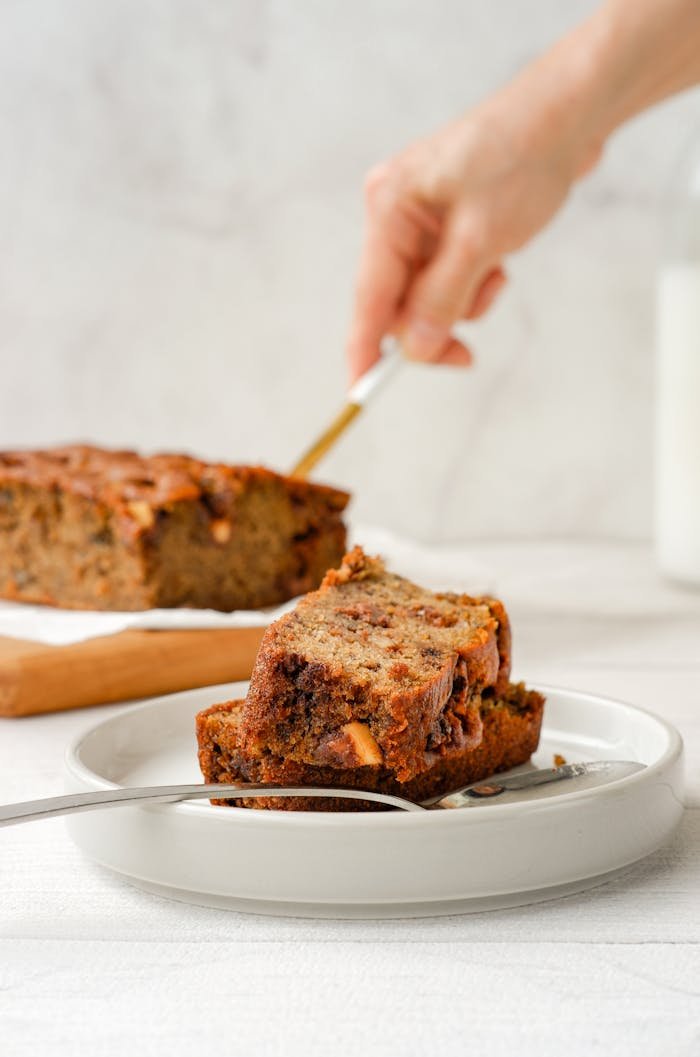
[627, 56]
[580, 66]
[557, 109]
[638, 52]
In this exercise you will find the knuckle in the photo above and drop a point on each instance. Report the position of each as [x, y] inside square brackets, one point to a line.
[375, 181]
[383, 184]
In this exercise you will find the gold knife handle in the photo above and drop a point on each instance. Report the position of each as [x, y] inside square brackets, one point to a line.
[326, 441]
[364, 388]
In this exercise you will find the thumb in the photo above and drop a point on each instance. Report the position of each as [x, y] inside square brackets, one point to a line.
[442, 293]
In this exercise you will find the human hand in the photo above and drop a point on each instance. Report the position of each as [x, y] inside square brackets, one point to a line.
[442, 216]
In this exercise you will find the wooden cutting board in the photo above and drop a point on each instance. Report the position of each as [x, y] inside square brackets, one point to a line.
[37, 678]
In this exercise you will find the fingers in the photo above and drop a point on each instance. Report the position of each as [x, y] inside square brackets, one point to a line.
[443, 347]
[392, 243]
[383, 276]
[419, 274]
[487, 293]
[401, 235]
[443, 292]
[455, 355]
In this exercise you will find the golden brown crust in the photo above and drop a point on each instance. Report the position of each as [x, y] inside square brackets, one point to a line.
[356, 565]
[140, 485]
[511, 730]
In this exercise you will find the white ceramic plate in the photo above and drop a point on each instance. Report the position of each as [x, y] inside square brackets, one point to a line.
[386, 864]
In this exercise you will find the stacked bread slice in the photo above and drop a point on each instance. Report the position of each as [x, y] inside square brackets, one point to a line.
[375, 683]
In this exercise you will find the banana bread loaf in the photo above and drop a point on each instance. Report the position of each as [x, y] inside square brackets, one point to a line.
[83, 527]
[510, 733]
[373, 671]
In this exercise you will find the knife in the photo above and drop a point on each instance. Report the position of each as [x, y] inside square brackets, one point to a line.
[359, 395]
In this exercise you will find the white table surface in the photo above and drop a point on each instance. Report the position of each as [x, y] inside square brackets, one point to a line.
[91, 965]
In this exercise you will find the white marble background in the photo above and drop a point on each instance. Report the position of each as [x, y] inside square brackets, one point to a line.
[180, 214]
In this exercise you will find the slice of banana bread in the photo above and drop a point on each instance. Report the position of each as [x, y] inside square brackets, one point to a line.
[85, 528]
[372, 670]
[510, 734]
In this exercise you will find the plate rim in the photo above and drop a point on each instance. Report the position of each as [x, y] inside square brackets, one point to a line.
[75, 767]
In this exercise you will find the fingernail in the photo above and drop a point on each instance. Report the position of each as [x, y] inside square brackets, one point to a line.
[423, 339]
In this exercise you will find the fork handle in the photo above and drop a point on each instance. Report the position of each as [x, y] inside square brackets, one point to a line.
[50, 807]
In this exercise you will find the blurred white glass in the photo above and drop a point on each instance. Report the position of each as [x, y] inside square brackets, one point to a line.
[677, 441]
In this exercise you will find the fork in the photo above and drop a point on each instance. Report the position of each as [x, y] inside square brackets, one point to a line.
[50, 807]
